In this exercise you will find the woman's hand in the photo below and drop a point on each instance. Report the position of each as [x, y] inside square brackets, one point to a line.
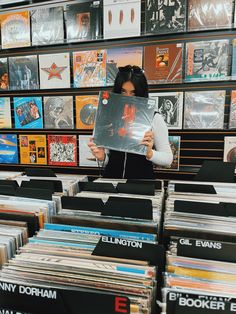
[148, 141]
[98, 152]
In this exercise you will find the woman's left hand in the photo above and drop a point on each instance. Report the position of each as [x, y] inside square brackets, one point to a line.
[148, 141]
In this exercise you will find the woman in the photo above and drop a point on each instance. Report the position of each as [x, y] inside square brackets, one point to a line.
[131, 81]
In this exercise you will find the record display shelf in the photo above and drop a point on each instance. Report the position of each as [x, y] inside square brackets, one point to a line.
[186, 60]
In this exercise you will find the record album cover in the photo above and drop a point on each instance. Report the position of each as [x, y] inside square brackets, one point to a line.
[58, 112]
[86, 108]
[232, 115]
[165, 16]
[209, 14]
[170, 106]
[207, 60]
[121, 18]
[122, 121]
[54, 70]
[5, 113]
[33, 149]
[4, 77]
[233, 74]
[47, 26]
[84, 21]
[62, 150]
[230, 149]
[15, 29]
[120, 57]
[8, 149]
[86, 158]
[204, 109]
[163, 63]
[23, 72]
[28, 112]
[89, 68]
[175, 148]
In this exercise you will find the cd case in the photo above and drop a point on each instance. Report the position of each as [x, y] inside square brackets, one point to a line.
[122, 121]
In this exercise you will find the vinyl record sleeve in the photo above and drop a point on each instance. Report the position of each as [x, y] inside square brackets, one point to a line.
[86, 159]
[121, 18]
[209, 14]
[83, 21]
[58, 112]
[122, 121]
[62, 150]
[86, 108]
[23, 72]
[232, 115]
[8, 149]
[207, 60]
[204, 109]
[119, 57]
[230, 149]
[47, 26]
[89, 68]
[175, 148]
[54, 70]
[166, 16]
[4, 77]
[5, 113]
[233, 75]
[33, 149]
[170, 106]
[163, 63]
[28, 112]
[15, 29]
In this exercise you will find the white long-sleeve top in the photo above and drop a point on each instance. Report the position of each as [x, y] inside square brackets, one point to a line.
[162, 154]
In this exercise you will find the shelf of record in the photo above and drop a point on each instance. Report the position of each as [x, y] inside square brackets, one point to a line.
[91, 20]
[172, 62]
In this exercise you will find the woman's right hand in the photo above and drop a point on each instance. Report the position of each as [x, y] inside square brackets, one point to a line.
[98, 152]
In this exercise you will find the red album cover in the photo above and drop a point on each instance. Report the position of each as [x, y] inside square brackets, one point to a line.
[163, 63]
[62, 150]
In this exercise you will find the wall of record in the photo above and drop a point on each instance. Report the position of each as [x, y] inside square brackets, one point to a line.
[56, 57]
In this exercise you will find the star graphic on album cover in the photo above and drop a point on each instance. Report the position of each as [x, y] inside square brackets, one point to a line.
[54, 71]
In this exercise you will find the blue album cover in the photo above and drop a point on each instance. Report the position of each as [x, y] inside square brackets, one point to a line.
[28, 112]
[234, 60]
[8, 149]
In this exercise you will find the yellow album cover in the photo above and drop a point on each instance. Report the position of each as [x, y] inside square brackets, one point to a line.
[86, 108]
[33, 149]
[15, 29]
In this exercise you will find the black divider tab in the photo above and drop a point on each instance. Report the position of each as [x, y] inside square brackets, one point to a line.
[178, 302]
[37, 300]
[34, 193]
[39, 172]
[38, 184]
[7, 190]
[82, 203]
[157, 183]
[130, 249]
[12, 183]
[106, 187]
[136, 188]
[57, 184]
[128, 207]
[207, 249]
[195, 188]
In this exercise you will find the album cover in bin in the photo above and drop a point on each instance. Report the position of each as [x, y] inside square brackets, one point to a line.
[122, 121]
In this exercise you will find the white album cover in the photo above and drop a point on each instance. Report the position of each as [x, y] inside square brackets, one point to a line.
[170, 106]
[121, 18]
[54, 70]
[230, 148]
[86, 159]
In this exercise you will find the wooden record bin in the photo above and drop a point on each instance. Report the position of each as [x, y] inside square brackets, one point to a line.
[196, 145]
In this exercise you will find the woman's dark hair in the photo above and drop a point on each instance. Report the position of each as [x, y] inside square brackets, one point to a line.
[136, 76]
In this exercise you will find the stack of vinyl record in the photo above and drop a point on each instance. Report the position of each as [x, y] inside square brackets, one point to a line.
[63, 258]
[199, 229]
[114, 205]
